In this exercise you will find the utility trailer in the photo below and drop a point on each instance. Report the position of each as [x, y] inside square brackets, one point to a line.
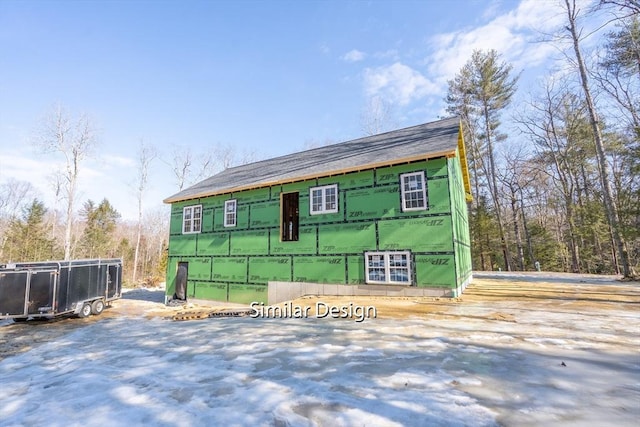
[51, 289]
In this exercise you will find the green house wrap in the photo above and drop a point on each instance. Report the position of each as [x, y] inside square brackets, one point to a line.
[386, 212]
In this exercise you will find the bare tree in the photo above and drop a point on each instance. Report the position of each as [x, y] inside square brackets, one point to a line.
[377, 116]
[56, 181]
[146, 154]
[181, 162]
[14, 196]
[514, 177]
[632, 7]
[573, 13]
[556, 122]
[73, 139]
[189, 167]
[156, 231]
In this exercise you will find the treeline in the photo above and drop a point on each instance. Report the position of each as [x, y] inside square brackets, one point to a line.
[37, 234]
[32, 231]
[562, 191]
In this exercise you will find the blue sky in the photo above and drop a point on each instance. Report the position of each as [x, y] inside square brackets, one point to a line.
[263, 76]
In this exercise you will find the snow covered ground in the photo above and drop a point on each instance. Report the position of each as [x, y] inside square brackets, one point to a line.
[463, 367]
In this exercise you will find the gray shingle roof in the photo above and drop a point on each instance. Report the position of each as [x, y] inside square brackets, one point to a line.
[422, 141]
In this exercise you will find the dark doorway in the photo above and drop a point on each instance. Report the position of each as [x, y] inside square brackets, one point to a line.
[181, 281]
[41, 291]
[289, 218]
[113, 280]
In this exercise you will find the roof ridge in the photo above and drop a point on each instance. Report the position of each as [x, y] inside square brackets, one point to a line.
[410, 142]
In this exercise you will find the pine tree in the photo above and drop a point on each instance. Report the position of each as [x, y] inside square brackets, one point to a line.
[101, 220]
[27, 236]
[478, 93]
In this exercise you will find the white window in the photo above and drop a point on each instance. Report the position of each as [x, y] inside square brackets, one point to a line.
[323, 199]
[389, 268]
[230, 213]
[414, 191]
[192, 219]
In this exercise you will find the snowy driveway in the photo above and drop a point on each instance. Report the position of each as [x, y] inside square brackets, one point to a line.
[557, 367]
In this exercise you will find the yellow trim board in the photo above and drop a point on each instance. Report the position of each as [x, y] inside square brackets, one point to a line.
[463, 164]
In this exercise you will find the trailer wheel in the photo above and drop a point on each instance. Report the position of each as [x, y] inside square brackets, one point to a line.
[85, 311]
[97, 307]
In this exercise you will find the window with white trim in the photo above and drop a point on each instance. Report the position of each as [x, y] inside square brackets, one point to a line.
[388, 268]
[192, 219]
[323, 199]
[230, 207]
[414, 191]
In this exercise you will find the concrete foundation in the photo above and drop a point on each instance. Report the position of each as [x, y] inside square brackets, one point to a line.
[286, 291]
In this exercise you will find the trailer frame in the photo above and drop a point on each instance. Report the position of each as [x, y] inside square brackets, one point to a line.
[50, 289]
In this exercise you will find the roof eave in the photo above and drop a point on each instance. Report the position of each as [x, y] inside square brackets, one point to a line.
[446, 153]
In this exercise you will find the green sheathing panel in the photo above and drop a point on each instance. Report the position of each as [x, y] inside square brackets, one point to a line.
[326, 269]
[265, 214]
[210, 207]
[213, 244]
[430, 234]
[437, 167]
[170, 283]
[331, 247]
[183, 244]
[207, 219]
[229, 269]
[199, 269]
[250, 242]
[264, 269]
[462, 238]
[331, 238]
[306, 243]
[246, 294]
[360, 206]
[435, 271]
[242, 220]
[438, 194]
[250, 196]
[355, 270]
[349, 180]
[175, 224]
[214, 202]
[391, 175]
[210, 291]
[302, 187]
[307, 219]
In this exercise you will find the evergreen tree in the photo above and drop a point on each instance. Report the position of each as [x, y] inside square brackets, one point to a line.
[27, 236]
[478, 93]
[101, 220]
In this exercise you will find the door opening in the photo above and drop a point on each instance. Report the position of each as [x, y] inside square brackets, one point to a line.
[181, 281]
[289, 219]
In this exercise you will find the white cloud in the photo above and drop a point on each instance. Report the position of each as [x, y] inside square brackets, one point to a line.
[324, 48]
[398, 83]
[27, 169]
[387, 54]
[515, 35]
[118, 161]
[354, 56]
[109, 177]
